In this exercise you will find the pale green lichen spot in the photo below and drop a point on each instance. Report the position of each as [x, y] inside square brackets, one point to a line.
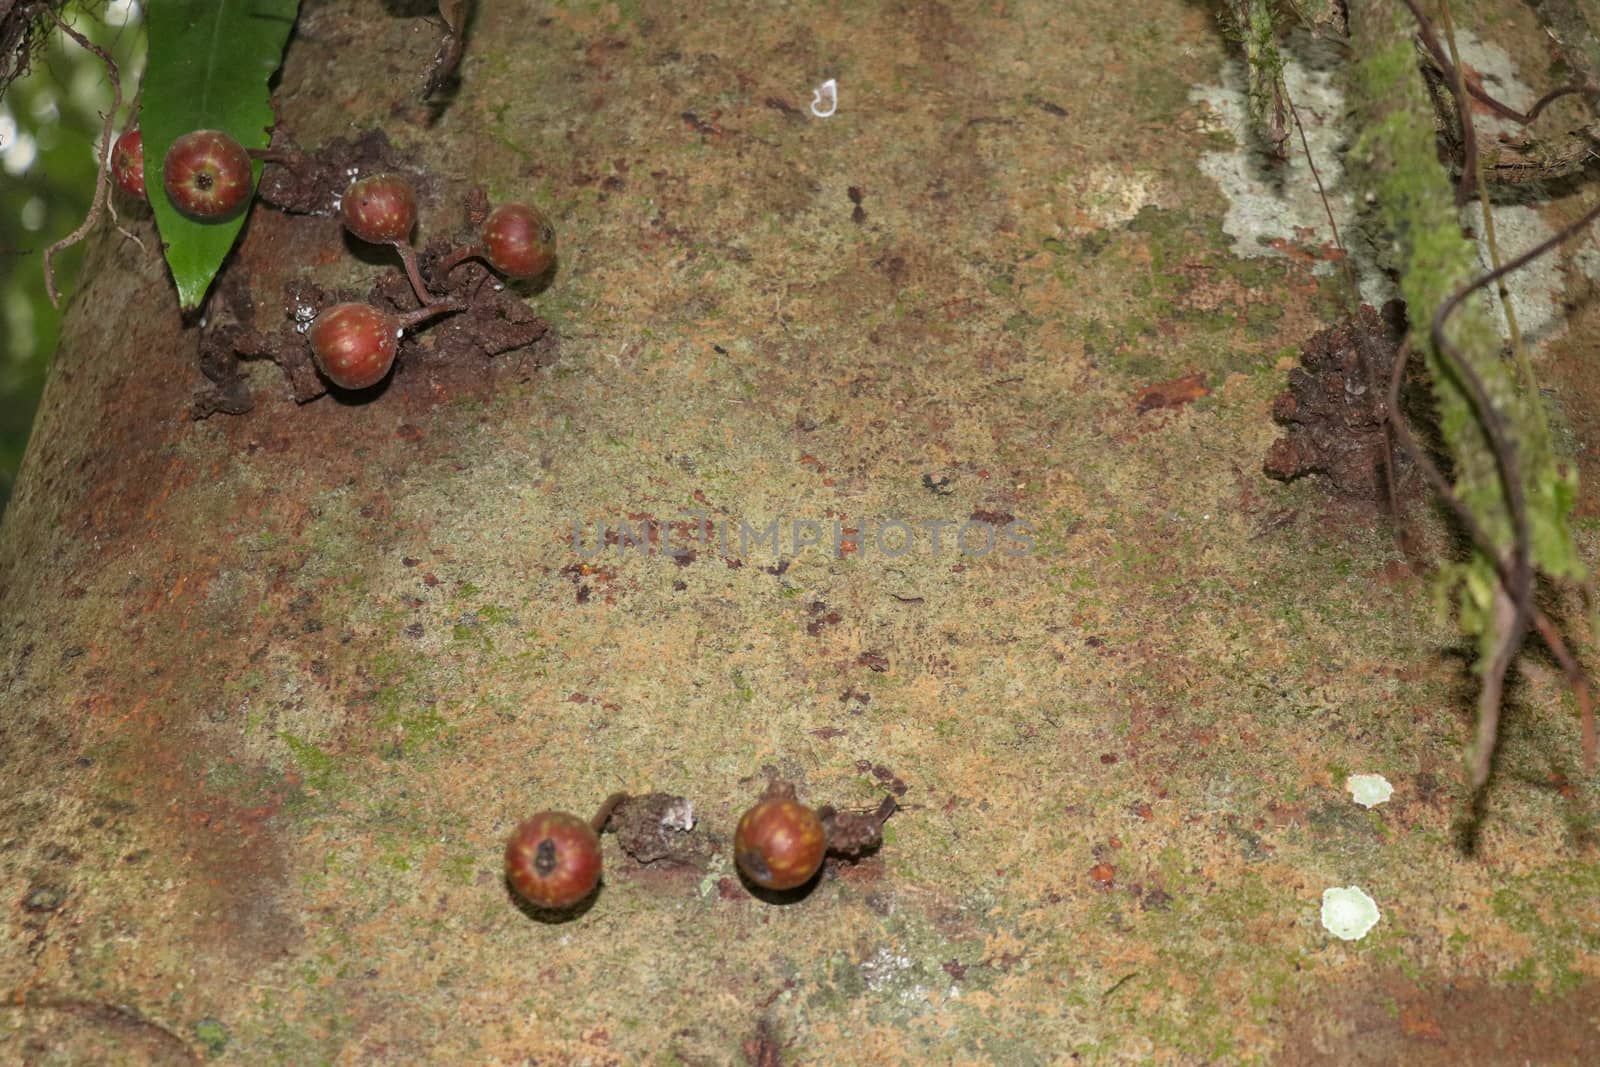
[1369, 790]
[1348, 913]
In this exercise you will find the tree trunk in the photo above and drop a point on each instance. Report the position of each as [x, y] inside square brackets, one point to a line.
[278, 685]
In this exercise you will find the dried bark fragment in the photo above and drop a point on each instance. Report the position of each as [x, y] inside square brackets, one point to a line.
[1336, 406]
[659, 827]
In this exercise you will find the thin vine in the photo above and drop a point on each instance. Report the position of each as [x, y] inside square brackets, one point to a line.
[102, 185]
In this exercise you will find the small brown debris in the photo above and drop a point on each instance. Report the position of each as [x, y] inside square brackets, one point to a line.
[821, 618]
[700, 125]
[1156, 900]
[763, 1049]
[1171, 394]
[1416, 1021]
[1046, 106]
[884, 775]
[1103, 875]
[852, 834]
[875, 661]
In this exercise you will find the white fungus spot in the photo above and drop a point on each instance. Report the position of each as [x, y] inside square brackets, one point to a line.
[679, 815]
[1369, 790]
[1348, 913]
[825, 99]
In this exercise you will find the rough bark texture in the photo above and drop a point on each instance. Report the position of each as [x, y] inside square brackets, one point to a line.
[276, 686]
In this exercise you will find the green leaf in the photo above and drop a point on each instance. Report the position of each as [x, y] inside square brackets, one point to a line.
[208, 67]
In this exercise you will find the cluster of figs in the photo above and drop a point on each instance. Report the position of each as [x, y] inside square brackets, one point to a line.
[207, 178]
[553, 859]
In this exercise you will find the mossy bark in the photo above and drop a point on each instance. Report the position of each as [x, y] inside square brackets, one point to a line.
[1415, 198]
[1269, 111]
[276, 687]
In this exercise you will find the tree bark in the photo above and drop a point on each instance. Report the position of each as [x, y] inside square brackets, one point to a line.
[277, 686]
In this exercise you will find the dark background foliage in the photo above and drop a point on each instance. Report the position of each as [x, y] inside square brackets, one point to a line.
[50, 120]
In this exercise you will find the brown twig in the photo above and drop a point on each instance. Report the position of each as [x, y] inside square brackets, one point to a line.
[408, 256]
[1513, 608]
[111, 208]
[1512, 614]
[428, 311]
[1524, 160]
[608, 808]
[1577, 678]
[1344, 255]
[1539, 105]
[1452, 73]
[102, 183]
[1514, 568]
[1501, 109]
[455, 258]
